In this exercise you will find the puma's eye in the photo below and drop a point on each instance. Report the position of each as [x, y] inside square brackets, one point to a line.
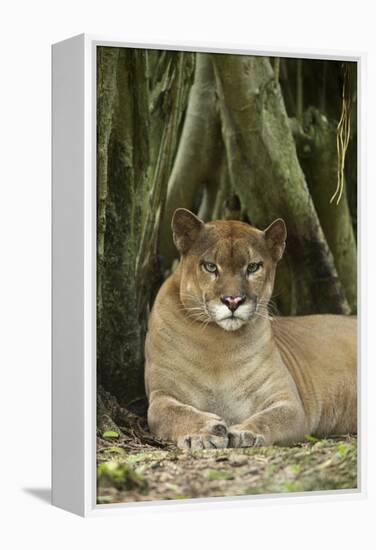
[210, 268]
[253, 267]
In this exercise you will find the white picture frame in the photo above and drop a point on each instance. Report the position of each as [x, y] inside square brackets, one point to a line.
[74, 275]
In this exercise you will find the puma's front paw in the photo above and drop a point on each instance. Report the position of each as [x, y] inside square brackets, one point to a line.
[213, 436]
[239, 436]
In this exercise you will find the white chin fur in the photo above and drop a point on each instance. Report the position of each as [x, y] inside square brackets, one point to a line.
[231, 323]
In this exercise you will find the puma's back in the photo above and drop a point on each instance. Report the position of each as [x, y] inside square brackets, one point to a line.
[320, 352]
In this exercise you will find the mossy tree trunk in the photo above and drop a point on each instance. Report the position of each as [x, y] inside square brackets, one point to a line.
[106, 92]
[137, 162]
[119, 339]
[317, 150]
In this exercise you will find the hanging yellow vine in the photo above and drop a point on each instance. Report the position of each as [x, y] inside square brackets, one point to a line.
[343, 134]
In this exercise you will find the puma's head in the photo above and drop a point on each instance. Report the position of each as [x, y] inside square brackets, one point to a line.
[227, 268]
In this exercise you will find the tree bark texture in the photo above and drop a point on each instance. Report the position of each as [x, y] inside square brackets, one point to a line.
[135, 193]
[317, 152]
[198, 157]
[106, 89]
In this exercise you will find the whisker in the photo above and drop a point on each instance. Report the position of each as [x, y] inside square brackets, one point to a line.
[184, 308]
[268, 317]
[195, 315]
[265, 309]
[205, 323]
[269, 307]
[192, 296]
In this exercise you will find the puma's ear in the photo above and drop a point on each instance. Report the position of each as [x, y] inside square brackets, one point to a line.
[185, 227]
[275, 236]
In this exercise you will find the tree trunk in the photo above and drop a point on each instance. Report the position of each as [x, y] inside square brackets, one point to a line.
[265, 173]
[317, 152]
[146, 268]
[119, 338]
[106, 90]
[136, 153]
[199, 153]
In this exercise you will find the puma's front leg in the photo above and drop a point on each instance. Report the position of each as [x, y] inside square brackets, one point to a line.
[283, 422]
[187, 426]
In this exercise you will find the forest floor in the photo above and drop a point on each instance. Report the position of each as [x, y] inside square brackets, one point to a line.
[136, 470]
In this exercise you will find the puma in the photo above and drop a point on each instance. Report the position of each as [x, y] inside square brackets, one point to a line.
[219, 372]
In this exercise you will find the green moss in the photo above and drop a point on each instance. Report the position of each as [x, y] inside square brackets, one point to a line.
[310, 438]
[121, 476]
[292, 486]
[344, 448]
[296, 468]
[214, 475]
[105, 499]
[110, 435]
[113, 450]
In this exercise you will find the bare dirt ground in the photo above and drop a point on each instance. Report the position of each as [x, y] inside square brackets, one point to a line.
[133, 470]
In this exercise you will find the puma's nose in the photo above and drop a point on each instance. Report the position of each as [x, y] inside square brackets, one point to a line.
[233, 302]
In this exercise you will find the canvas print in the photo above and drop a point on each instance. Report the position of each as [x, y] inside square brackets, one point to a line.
[226, 275]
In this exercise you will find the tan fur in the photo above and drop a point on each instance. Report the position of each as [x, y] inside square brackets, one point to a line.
[264, 382]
